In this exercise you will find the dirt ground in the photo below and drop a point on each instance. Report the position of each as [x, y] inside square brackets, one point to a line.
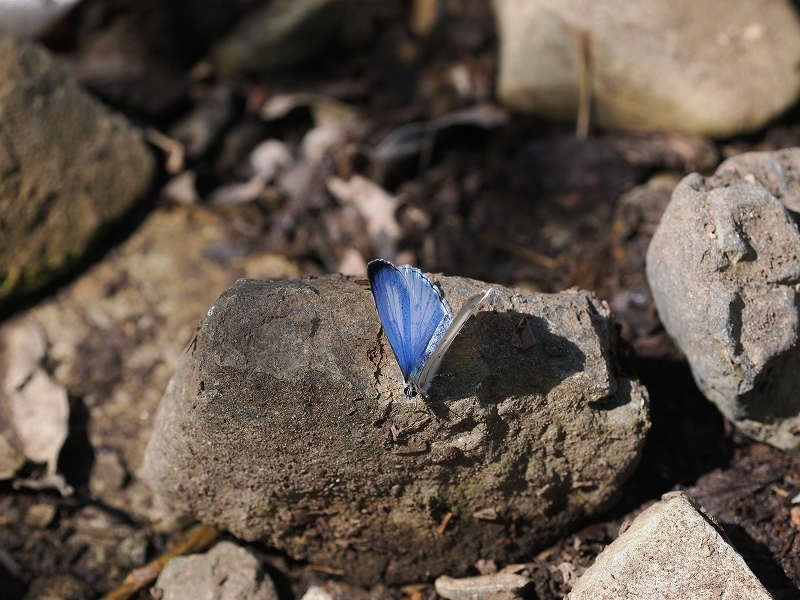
[497, 197]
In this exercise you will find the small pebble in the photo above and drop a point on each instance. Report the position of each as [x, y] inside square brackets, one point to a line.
[40, 515]
[481, 586]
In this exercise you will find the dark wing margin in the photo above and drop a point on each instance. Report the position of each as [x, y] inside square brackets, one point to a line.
[410, 309]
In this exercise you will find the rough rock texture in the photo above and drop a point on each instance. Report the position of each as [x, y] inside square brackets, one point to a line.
[115, 335]
[671, 550]
[69, 167]
[724, 265]
[714, 67]
[278, 427]
[637, 215]
[226, 572]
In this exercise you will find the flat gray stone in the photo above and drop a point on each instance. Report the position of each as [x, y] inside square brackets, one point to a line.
[226, 572]
[724, 266]
[671, 550]
[497, 586]
[278, 427]
[656, 64]
[69, 168]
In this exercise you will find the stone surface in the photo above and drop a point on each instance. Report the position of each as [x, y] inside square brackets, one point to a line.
[723, 267]
[29, 19]
[658, 64]
[497, 586]
[636, 217]
[671, 550]
[226, 572]
[278, 427]
[315, 592]
[69, 168]
[114, 336]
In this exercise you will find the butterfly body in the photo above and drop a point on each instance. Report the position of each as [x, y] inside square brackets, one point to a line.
[417, 321]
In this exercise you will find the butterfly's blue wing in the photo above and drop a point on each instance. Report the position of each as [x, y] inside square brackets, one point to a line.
[412, 311]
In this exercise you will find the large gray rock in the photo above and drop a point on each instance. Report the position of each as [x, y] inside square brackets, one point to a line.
[278, 427]
[714, 67]
[69, 168]
[671, 550]
[724, 265]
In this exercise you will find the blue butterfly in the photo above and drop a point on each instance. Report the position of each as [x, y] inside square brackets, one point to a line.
[417, 321]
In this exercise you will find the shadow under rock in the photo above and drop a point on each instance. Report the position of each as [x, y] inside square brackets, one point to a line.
[759, 558]
[13, 588]
[686, 440]
[77, 455]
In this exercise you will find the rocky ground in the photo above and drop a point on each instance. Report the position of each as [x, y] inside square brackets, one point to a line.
[155, 153]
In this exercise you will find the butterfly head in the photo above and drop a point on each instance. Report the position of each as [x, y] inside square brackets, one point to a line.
[411, 391]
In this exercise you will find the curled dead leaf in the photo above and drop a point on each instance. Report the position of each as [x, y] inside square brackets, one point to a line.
[34, 409]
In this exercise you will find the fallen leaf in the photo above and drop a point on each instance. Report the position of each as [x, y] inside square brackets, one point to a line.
[35, 406]
[376, 206]
[181, 189]
[418, 137]
[268, 159]
[323, 108]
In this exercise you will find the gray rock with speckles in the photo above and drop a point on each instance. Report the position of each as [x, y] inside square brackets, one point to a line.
[724, 268]
[226, 572]
[278, 427]
[714, 68]
[673, 549]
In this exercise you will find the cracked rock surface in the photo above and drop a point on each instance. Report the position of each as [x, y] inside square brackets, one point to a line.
[724, 266]
[673, 549]
[226, 572]
[279, 427]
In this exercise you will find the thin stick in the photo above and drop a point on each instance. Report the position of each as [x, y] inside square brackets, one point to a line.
[199, 538]
[585, 75]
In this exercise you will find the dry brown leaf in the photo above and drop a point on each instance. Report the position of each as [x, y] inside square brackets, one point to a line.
[376, 206]
[268, 159]
[324, 108]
